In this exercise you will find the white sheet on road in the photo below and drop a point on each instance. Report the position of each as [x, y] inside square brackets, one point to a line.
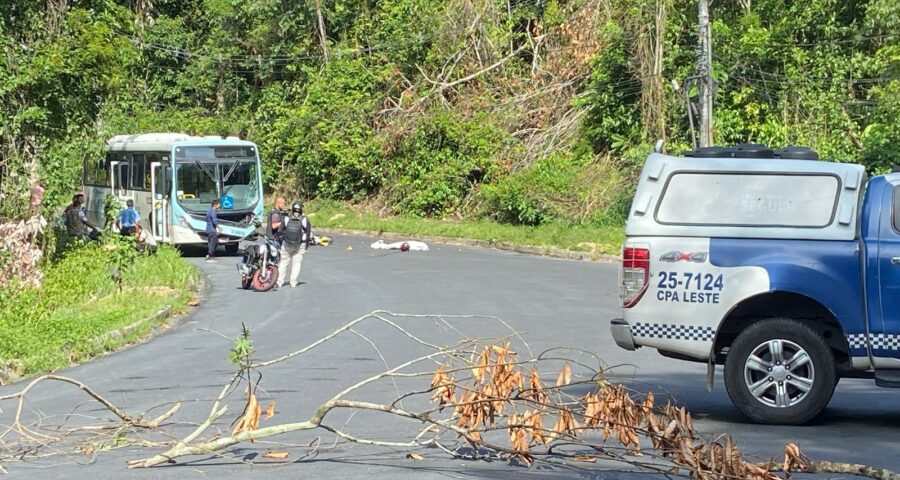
[413, 245]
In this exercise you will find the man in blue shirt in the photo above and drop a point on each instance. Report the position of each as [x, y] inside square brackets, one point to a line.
[128, 219]
[212, 231]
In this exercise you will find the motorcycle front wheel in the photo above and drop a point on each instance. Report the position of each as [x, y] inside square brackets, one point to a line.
[264, 279]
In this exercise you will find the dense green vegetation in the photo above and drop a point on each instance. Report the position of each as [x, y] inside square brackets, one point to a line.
[596, 239]
[91, 292]
[515, 111]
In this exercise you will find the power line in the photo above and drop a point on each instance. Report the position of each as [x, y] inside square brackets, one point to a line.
[186, 54]
[775, 79]
[832, 41]
[820, 43]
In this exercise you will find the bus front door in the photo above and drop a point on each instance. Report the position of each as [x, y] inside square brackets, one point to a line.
[159, 190]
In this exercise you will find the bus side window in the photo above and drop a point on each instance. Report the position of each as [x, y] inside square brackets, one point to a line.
[95, 172]
[102, 178]
[122, 176]
[152, 157]
[138, 173]
[90, 171]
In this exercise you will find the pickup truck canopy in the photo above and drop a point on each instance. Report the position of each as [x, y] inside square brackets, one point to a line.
[747, 198]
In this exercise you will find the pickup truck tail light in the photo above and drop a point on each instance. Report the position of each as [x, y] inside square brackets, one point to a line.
[635, 274]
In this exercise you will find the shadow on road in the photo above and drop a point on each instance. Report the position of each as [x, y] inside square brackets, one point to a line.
[436, 464]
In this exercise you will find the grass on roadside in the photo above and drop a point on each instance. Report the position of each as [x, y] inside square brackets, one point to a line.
[594, 239]
[87, 298]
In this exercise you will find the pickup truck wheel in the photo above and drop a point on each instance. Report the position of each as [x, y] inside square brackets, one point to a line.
[780, 371]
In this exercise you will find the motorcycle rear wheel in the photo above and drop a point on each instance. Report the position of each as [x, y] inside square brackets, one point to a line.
[246, 282]
[264, 279]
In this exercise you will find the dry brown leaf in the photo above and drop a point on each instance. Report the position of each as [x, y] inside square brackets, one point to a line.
[194, 302]
[670, 429]
[648, 403]
[444, 386]
[474, 438]
[585, 458]
[565, 375]
[793, 458]
[478, 371]
[535, 423]
[438, 378]
[501, 351]
[250, 419]
[414, 456]
[275, 454]
[270, 411]
[536, 389]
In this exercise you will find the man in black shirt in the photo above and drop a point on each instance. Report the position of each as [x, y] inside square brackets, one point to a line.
[275, 225]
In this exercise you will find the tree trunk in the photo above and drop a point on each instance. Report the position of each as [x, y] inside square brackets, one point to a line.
[323, 37]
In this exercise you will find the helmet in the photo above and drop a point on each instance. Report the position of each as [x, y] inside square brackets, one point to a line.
[297, 207]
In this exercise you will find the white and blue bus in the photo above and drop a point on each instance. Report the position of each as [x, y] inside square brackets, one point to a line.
[173, 179]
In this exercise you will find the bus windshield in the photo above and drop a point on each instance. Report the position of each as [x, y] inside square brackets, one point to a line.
[235, 182]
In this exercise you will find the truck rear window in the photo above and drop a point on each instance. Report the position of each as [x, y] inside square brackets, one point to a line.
[749, 199]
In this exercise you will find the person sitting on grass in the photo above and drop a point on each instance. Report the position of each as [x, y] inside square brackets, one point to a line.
[144, 240]
[77, 224]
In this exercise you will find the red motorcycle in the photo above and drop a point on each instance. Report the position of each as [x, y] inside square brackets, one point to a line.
[259, 266]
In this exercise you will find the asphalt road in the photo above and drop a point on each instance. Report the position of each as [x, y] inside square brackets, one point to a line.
[550, 302]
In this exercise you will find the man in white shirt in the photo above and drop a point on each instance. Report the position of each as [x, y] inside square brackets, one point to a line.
[143, 240]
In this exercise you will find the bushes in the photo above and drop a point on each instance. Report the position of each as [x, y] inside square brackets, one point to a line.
[563, 187]
[92, 290]
[526, 197]
[446, 158]
[322, 143]
[365, 110]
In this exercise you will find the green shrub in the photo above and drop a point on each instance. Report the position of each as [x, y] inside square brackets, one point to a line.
[321, 143]
[524, 197]
[441, 162]
[561, 188]
[91, 290]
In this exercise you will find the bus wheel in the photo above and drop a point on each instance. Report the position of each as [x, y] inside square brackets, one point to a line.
[231, 248]
[780, 371]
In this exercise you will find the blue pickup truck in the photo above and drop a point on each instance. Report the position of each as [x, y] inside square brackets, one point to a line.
[783, 268]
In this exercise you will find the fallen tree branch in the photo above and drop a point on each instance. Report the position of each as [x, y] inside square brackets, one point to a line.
[851, 469]
[480, 392]
[20, 395]
[446, 85]
[794, 459]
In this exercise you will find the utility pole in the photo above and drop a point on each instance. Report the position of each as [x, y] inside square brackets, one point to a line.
[704, 72]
